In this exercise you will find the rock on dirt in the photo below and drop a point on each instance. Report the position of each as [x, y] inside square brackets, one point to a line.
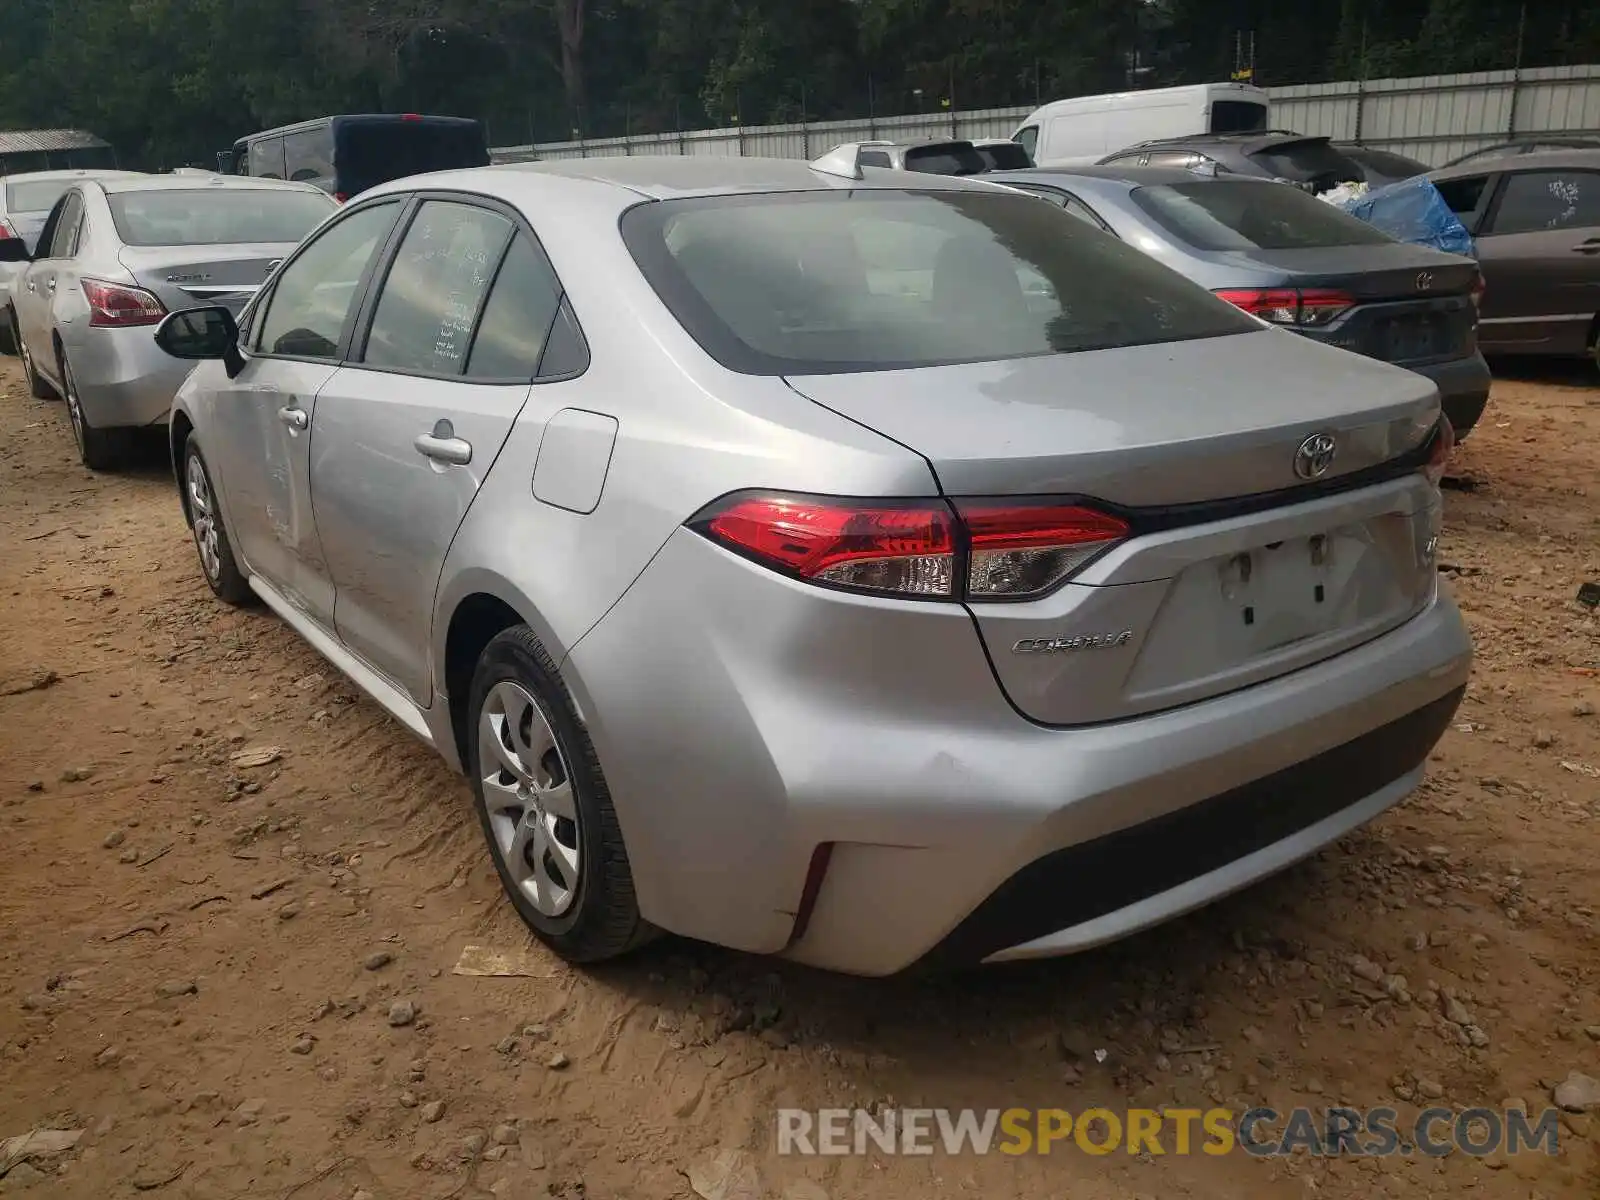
[432, 1112]
[1578, 1093]
[402, 1013]
[173, 988]
[731, 1175]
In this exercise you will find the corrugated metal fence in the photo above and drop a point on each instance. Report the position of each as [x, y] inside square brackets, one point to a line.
[1432, 118]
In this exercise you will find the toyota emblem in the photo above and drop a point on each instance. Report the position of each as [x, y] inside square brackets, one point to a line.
[1425, 281]
[1315, 456]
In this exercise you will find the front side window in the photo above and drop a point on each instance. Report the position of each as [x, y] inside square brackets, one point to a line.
[316, 293]
[1540, 201]
[308, 155]
[1028, 139]
[217, 216]
[817, 283]
[1236, 215]
[1463, 195]
[430, 301]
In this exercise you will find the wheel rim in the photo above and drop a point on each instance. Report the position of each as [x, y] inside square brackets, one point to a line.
[22, 348]
[527, 789]
[74, 409]
[205, 520]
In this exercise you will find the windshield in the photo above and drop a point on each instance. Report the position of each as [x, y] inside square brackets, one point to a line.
[367, 153]
[1236, 215]
[35, 197]
[956, 159]
[1313, 161]
[820, 283]
[217, 216]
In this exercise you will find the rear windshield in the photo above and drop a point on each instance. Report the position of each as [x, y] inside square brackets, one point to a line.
[945, 160]
[217, 216]
[1312, 161]
[1237, 116]
[828, 282]
[35, 197]
[1394, 166]
[1235, 215]
[367, 153]
[1005, 156]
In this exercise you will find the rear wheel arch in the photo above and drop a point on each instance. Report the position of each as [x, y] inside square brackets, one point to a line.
[478, 618]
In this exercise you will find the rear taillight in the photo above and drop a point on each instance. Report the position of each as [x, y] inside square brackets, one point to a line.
[340, 197]
[919, 549]
[1478, 288]
[1305, 307]
[1021, 550]
[114, 305]
[6, 231]
[1444, 442]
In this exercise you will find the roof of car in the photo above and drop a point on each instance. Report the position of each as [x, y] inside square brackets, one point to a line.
[74, 173]
[1250, 140]
[670, 177]
[1115, 173]
[199, 183]
[1544, 160]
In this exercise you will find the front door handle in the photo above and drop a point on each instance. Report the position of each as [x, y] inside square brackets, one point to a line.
[294, 418]
[50, 285]
[33, 285]
[442, 446]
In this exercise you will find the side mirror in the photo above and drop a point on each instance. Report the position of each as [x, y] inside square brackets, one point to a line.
[14, 250]
[202, 333]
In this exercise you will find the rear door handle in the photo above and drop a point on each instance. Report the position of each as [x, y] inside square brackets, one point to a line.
[447, 449]
[33, 285]
[294, 418]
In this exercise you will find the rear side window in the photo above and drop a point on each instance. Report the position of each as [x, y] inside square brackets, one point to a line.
[1463, 195]
[516, 321]
[64, 244]
[430, 300]
[1311, 161]
[1237, 116]
[1252, 216]
[1537, 201]
[266, 158]
[820, 283]
[308, 155]
[35, 197]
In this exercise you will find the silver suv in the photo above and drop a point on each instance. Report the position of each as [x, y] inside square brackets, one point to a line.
[867, 570]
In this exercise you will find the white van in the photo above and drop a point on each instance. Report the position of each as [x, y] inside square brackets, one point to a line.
[1086, 128]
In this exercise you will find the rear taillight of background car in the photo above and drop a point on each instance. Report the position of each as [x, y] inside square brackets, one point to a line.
[116, 306]
[1444, 443]
[6, 231]
[1305, 307]
[921, 549]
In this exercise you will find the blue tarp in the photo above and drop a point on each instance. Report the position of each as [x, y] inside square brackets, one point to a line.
[1414, 211]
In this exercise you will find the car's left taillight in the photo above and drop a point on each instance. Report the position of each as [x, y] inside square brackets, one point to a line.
[116, 305]
[1303, 307]
[979, 550]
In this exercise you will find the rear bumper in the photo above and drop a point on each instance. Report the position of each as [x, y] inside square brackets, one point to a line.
[124, 379]
[1463, 385]
[743, 721]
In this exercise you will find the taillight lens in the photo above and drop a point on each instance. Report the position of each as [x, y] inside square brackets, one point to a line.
[1022, 550]
[1304, 307]
[6, 231]
[984, 550]
[114, 305]
[1444, 442]
[1478, 288]
[340, 197]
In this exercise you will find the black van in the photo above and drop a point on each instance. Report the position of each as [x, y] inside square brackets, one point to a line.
[347, 154]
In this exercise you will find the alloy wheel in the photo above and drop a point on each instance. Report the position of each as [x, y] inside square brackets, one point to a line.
[527, 791]
[204, 519]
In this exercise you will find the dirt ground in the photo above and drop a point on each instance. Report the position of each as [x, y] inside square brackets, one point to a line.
[200, 959]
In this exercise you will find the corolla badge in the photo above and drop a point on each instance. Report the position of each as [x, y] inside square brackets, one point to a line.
[1315, 456]
[1066, 645]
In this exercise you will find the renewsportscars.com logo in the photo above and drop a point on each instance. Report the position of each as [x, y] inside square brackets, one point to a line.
[1260, 1132]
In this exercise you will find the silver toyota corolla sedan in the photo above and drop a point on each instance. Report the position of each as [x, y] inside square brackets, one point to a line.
[112, 259]
[863, 567]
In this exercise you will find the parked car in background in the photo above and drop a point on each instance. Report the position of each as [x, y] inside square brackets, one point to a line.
[25, 202]
[1381, 167]
[1003, 154]
[347, 154]
[1296, 263]
[1538, 145]
[1083, 128]
[957, 157]
[1535, 219]
[113, 258]
[862, 567]
[1312, 162]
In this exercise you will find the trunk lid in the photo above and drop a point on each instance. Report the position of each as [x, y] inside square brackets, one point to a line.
[1219, 586]
[1413, 304]
[190, 276]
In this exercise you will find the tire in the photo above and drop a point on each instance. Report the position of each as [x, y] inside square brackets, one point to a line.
[37, 387]
[100, 449]
[8, 333]
[578, 896]
[211, 542]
